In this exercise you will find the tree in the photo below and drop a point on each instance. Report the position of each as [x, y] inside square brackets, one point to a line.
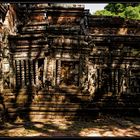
[132, 12]
[104, 12]
[125, 10]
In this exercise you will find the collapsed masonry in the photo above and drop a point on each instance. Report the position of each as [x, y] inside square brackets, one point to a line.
[97, 56]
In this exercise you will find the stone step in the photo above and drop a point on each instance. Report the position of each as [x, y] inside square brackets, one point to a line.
[51, 92]
[38, 10]
[78, 112]
[65, 97]
[41, 23]
[120, 109]
[33, 7]
[54, 104]
[26, 100]
[43, 104]
[47, 93]
[26, 36]
[120, 104]
[58, 111]
[49, 109]
[34, 27]
[43, 48]
[33, 47]
[119, 99]
[30, 37]
[31, 42]
[65, 105]
[73, 27]
[33, 31]
[48, 100]
[39, 36]
[42, 117]
[131, 98]
[64, 32]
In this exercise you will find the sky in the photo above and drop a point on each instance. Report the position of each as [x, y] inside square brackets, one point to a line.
[94, 7]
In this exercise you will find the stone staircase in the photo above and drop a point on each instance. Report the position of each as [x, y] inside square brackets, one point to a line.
[68, 103]
[125, 104]
[65, 103]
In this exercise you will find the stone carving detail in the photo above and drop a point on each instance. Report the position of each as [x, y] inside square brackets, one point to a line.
[92, 78]
[6, 59]
[6, 80]
[40, 76]
[84, 25]
[67, 20]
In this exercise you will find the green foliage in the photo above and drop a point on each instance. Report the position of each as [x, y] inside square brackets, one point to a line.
[104, 12]
[125, 10]
[115, 8]
[132, 12]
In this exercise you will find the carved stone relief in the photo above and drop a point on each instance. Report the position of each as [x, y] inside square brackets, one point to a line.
[84, 25]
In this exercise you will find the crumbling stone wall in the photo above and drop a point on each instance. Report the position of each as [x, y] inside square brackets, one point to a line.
[8, 27]
[112, 25]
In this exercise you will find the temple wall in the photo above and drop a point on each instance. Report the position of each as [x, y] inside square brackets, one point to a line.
[66, 33]
[114, 31]
[112, 25]
[50, 70]
[10, 21]
[63, 20]
[8, 28]
[53, 48]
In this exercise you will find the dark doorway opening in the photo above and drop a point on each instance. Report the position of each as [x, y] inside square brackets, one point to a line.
[40, 71]
[40, 62]
[69, 73]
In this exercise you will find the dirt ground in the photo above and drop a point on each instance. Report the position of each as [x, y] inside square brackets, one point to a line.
[103, 126]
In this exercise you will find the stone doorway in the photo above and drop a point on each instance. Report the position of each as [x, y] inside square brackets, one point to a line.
[69, 73]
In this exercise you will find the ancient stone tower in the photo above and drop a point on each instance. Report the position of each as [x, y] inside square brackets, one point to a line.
[59, 59]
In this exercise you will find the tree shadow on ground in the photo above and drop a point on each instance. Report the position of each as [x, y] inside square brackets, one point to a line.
[102, 126]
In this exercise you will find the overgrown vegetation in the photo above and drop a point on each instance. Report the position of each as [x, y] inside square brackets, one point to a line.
[124, 10]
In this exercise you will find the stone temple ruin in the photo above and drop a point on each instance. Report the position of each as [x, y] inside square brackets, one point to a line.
[61, 61]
